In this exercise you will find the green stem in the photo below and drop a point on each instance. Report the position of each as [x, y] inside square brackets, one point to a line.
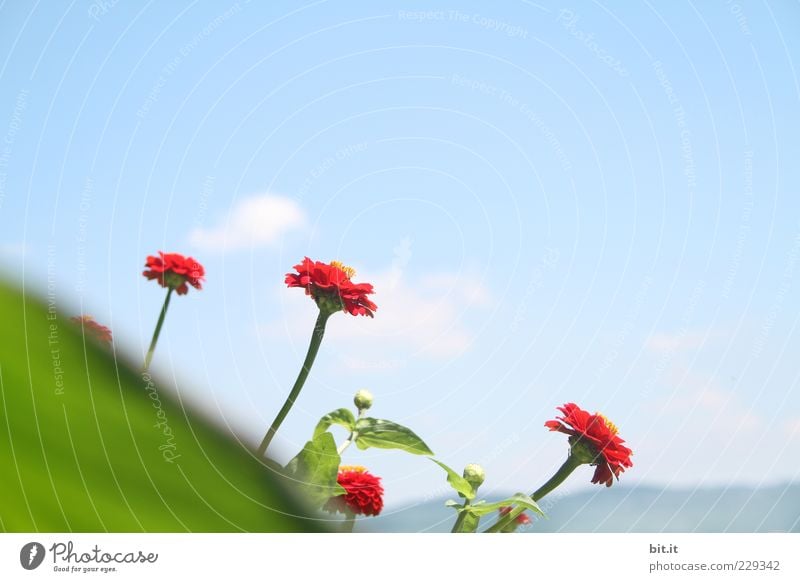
[352, 438]
[148, 358]
[563, 472]
[349, 522]
[460, 519]
[345, 444]
[313, 348]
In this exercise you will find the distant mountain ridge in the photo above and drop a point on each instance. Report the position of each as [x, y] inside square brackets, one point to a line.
[640, 509]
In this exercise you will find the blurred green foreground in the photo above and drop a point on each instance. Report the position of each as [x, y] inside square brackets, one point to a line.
[88, 444]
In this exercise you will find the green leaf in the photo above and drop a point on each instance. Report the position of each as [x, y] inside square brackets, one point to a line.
[91, 444]
[469, 516]
[341, 416]
[385, 434]
[470, 523]
[467, 521]
[483, 508]
[457, 482]
[315, 470]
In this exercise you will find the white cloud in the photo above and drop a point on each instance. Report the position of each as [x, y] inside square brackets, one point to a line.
[254, 221]
[677, 342]
[704, 433]
[16, 250]
[465, 289]
[791, 428]
[423, 316]
[423, 319]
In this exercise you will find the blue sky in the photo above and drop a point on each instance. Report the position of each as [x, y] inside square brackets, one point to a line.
[555, 202]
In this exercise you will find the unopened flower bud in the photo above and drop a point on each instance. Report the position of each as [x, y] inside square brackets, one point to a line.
[363, 400]
[474, 474]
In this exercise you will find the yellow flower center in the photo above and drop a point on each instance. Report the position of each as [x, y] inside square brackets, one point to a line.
[356, 468]
[610, 425]
[349, 271]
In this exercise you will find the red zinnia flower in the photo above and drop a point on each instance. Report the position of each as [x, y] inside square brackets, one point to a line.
[521, 519]
[97, 331]
[610, 456]
[175, 271]
[330, 286]
[364, 492]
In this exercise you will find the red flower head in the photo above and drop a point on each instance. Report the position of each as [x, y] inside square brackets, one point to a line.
[175, 271]
[596, 435]
[330, 286]
[364, 492]
[521, 519]
[97, 331]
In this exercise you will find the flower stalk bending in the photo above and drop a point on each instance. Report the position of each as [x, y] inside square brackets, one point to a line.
[561, 475]
[313, 348]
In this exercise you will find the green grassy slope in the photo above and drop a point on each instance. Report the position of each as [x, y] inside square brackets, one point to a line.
[87, 443]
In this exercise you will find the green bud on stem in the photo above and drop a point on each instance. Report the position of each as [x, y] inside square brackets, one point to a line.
[474, 474]
[363, 400]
